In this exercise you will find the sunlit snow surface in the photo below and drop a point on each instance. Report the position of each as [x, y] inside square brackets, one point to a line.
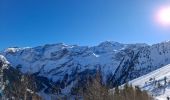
[146, 82]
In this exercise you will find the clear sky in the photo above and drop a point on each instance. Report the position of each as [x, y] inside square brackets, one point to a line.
[83, 22]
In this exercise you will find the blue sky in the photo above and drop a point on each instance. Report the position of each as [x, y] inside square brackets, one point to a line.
[83, 22]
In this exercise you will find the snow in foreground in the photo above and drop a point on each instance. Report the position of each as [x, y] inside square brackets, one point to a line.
[157, 82]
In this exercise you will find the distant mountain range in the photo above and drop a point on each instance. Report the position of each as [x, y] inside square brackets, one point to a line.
[69, 66]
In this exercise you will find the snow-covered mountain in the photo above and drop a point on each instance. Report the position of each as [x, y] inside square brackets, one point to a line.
[68, 65]
[156, 82]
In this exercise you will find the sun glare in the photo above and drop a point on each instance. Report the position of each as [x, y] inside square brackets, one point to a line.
[163, 16]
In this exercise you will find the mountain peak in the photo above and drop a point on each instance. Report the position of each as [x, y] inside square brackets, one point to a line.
[109, 43]
[3, 61]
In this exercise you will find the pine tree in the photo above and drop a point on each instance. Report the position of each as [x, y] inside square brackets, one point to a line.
[165, 80]
[116, 95]
[95, 90]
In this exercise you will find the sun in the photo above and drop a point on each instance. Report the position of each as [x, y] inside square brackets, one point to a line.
[163, 15]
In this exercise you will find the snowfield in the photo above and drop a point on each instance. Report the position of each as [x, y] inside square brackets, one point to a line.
[154, 82]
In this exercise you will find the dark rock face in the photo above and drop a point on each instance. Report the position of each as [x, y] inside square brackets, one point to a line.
[59, 67]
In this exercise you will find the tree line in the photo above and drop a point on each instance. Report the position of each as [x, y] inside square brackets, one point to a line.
[95, 90]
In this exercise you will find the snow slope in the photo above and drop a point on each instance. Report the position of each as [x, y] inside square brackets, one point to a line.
[150, 82]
